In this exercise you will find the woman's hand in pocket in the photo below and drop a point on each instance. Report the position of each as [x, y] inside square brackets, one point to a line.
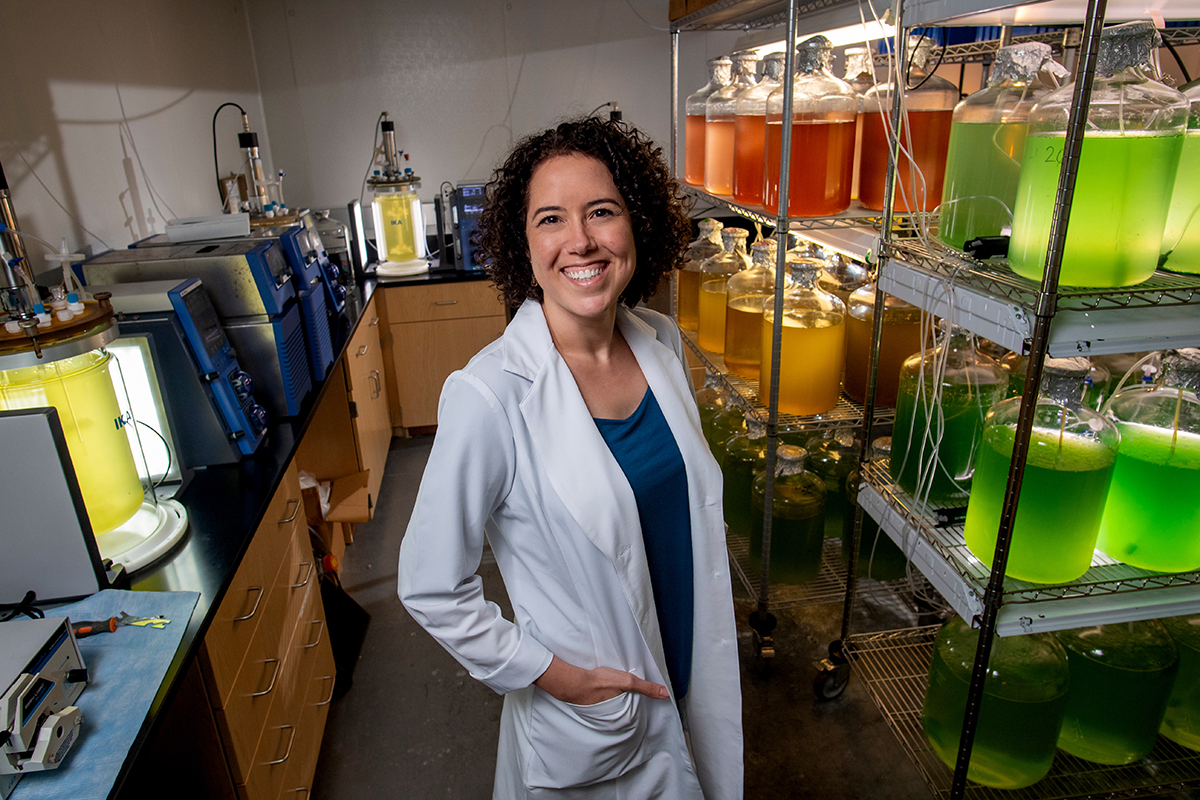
[585, 687]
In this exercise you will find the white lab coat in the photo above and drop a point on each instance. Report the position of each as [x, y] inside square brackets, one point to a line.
[518, 456]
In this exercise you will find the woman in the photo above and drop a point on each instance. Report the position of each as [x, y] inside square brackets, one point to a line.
[573, 443]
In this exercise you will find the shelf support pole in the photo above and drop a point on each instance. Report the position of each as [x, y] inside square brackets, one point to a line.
[1047, 305]
[781, 234]
[900, 50]
[674, 148]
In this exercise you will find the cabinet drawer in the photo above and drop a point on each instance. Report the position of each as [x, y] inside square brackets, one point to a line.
[297, 782]
[286, 512]
[443, 301]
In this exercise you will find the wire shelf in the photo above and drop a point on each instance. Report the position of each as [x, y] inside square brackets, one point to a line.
[894, 666]
[977, 52]
[854, 217]
[1102, 594]
[846, 414]
[828, 587]
[996, 279]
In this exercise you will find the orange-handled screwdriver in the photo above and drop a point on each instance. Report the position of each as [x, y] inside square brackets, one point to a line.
[92, 627]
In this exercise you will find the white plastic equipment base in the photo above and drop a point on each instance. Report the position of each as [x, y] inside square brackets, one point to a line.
[394, 269]
[146, 536]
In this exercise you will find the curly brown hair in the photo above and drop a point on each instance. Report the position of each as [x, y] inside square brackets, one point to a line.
[661, 227]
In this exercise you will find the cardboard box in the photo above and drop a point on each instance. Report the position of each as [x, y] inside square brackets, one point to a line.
[350, 500]
[677, 9]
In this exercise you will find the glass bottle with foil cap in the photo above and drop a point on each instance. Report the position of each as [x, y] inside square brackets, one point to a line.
[1131, 150]
[1152, 515]
[726, 423]
[831, 457]
[1121, 679]
[821, 164]
[860, 74]
[747, 294]
[1181, 239]
[720, 114]
[812, 347]
[797, 519]
[750, 133]
[843, 276]
[900, 339]
[1181, 724]
[707, 245]
[943, 396]
[879, 557]
[1021, 712]
[1072, 452]
[714, 274]
[987, 139]
[710, 398]
[745, 454]
[930, 104]
[720, 73]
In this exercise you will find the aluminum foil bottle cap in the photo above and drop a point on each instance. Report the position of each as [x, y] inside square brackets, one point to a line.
[1181, 368]
[1129, 45]
[1062, 379]
[773, 65]
[1020, 62]
[813, 54]
[709, 225]
[858, 62]
[745, 62]
[732, 238]
[920, 48]
[721, 70]
[804, 270]
[789, 459]
[764, 250]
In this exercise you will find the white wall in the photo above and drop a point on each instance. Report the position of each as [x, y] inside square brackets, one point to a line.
[462, 79]
[70, 65]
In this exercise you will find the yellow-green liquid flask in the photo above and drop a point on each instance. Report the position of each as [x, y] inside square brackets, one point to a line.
[1181, 724]
[714, 274]
[797, 519]
[687, 297]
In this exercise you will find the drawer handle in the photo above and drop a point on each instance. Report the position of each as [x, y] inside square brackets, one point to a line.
[295, 511]
[291, 741]
[374, 375]
[445, 302]
[362, 351]
[320, 632]
[257, 600]
[374, 321]
[307, 575]
[274, 677]
[332, 686]
[299, 789]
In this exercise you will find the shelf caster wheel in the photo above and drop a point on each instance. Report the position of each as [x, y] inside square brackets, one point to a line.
[831, 680]
[762, 623]
[837, 652]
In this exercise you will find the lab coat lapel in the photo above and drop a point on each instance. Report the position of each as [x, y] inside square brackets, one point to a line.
[578, 464]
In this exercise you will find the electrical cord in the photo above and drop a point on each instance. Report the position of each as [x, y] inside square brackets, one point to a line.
[216, 169]
[643, 19]
[58, 203]
[24, 608]
[170, 459]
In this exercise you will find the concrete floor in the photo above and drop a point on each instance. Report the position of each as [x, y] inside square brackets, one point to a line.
[415, 725]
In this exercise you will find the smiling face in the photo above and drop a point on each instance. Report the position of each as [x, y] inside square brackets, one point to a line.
[580, 239]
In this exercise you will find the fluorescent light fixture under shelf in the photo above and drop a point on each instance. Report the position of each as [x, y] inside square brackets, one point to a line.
[764, 42]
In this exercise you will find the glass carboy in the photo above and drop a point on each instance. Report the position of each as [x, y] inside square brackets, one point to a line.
[750, 133]
[930, 105]
[1024, 695]
[1072, 451]
[745, 455]
[900, 339]
[1152, 517]
[987, 139]
[842, 276]
[797, 519]
[748, 292]
[943, 396]
[878, 556]
[1181, 239]
[720, 73]
[720, 112]
[832, 456]
[812, 345]
[1181, 724]
[714, 273]
[821, 163]
[1130, 155]
[1121, 677]
[707, 244]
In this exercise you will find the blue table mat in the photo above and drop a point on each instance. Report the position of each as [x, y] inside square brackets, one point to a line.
[125, 670]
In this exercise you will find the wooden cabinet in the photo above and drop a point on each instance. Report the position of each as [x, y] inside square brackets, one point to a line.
[432, 331]
[351, 429]
[262, 649]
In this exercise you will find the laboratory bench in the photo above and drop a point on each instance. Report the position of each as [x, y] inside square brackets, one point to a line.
[232, 509]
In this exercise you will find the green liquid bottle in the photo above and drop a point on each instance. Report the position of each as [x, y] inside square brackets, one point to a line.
[831, 458]
[745, 454]
[726, 423]
[1181, 239]
[1130, 153]
[1152, 516]
[1181, 724]
[797, 519]
[1024, 696]
[987, 139]
[1121, 677]
[878, 556]
[1072, 452]
[934, 443]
